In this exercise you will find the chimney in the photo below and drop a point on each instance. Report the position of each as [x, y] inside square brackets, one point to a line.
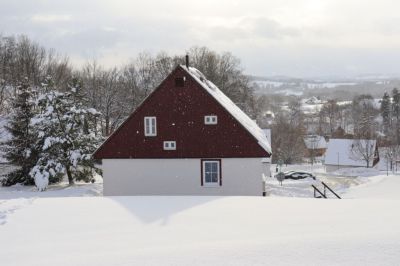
[187, 60]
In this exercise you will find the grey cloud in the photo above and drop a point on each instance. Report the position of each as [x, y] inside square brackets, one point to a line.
[253, 28]
[271, 29]
[90, 39]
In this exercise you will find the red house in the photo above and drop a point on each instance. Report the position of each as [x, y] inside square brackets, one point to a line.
[186, 138]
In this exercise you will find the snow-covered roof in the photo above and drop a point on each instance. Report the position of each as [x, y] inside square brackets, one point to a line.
[339, 153]
[231, 107]
[313, 100]
[315, 142]
[267, 133]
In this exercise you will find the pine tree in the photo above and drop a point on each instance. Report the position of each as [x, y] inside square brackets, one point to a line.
[386, 112]
[366, 124]
[396, 114]
[20, 150]
[396, 103]
[67, 128]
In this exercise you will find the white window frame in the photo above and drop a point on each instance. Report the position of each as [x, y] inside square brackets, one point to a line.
[150, 126]
[169, 145]
[210, 119]
[211, 184]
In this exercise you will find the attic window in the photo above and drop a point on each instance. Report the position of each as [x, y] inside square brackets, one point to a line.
[180, 82]
[210, 120]
[150, 126]
[169, 145]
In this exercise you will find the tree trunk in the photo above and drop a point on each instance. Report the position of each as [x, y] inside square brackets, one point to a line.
[70, 178]
[107, 129]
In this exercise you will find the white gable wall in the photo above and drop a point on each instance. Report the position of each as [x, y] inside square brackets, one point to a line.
[339, 153]
[240, 176]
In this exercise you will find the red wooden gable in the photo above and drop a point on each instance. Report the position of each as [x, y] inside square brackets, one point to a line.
[180, 112]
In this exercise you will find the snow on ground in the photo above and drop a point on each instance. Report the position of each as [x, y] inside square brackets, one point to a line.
[356, 172]
[8, 207]
[59, 190]
[18, 196]
[341, 181]
[201, 230]
[377, 187]
[60, 227]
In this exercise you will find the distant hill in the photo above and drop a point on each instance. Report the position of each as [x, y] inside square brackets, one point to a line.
[340, 88]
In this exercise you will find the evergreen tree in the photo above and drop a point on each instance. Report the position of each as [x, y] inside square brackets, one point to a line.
[396, 114]
[367, 124]
[396, 103]
[20, 149]
[67, 128]
[386, 112]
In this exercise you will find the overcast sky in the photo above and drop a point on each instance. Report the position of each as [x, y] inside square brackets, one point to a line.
[302, 38]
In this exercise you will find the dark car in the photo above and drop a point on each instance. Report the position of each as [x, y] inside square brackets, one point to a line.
[298, 175]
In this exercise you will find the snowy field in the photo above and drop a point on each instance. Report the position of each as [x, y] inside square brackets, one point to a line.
[77, 226]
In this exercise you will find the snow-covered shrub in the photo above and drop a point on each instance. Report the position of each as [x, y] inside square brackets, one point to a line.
[41, 178]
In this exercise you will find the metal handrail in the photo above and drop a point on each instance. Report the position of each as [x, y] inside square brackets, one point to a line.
[326, 186]
[316, 189]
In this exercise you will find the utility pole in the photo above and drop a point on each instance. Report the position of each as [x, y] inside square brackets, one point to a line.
[337, 160]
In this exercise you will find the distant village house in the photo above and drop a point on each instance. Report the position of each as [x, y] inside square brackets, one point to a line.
[346, 153]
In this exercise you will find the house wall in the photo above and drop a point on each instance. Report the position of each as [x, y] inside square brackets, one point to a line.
[240, 176]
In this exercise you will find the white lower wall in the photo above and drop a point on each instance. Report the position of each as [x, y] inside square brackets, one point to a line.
[240, 176]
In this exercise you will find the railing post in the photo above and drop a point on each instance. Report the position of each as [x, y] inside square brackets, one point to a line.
[316, 189]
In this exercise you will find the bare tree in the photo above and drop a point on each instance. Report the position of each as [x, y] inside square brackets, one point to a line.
[106, 94]
[146, 73]
[330, 113]
[22, 60]
[288, 141]
[364, 150]
[391, 154]
[295, 112]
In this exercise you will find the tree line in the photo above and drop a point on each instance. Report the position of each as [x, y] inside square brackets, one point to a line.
[117, 91]
[58, 113]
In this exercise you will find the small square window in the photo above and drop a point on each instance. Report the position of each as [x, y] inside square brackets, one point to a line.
[169, 145]
[210, 120]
